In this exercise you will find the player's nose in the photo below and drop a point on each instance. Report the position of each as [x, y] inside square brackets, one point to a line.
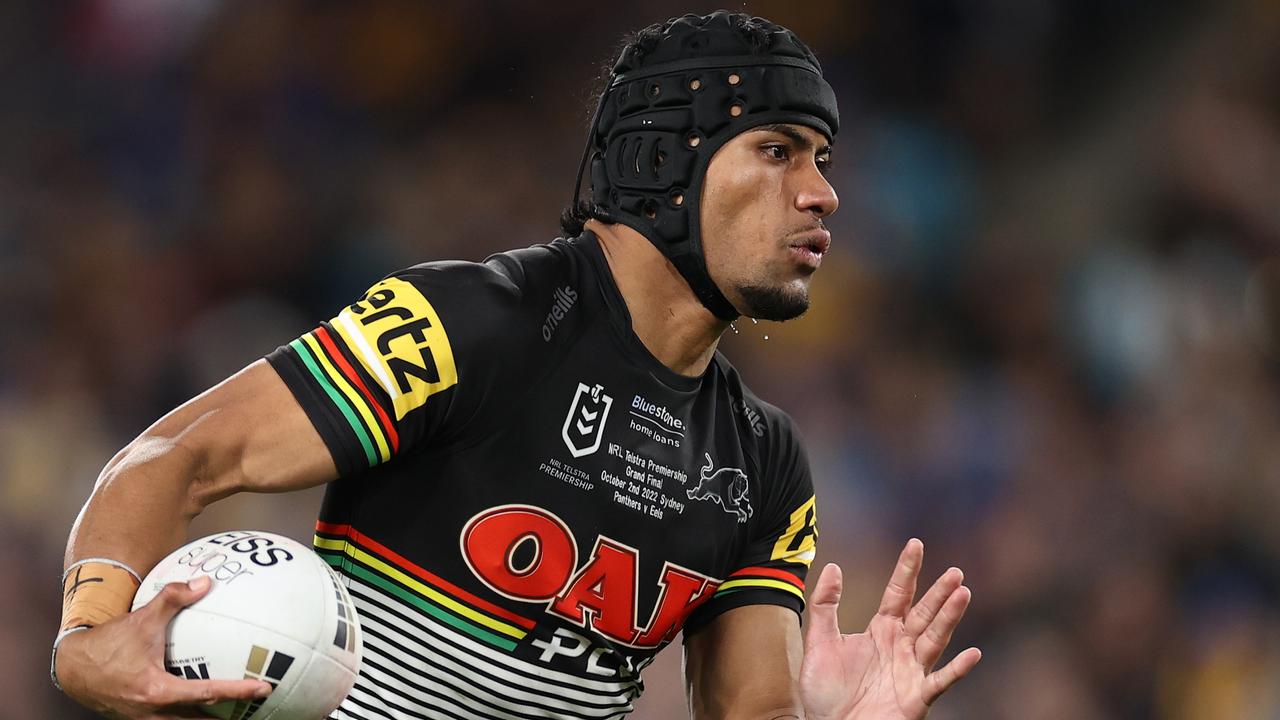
[815, 194]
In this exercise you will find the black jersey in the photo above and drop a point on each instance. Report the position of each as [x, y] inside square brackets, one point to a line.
[530, 504]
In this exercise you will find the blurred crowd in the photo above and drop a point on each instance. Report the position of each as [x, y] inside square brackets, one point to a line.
[1045, 342]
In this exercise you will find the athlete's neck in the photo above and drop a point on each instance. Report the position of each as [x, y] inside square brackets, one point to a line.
[665, 314]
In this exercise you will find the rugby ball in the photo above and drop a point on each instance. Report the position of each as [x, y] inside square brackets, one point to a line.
[276, 612]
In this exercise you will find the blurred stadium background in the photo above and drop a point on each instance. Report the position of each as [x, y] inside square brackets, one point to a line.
[1045, 341]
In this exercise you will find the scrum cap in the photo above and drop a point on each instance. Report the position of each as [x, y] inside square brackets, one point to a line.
[671, 105]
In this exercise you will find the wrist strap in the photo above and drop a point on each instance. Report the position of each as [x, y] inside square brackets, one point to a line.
[53, 660]
[101, 561]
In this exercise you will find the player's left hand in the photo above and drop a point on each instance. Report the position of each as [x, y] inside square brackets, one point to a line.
[886, 672]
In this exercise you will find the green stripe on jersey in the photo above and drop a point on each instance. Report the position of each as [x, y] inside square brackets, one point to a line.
[420, 602]
[338, 400]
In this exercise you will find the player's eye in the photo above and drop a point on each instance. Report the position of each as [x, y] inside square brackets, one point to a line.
[776, 152]
[823, 162]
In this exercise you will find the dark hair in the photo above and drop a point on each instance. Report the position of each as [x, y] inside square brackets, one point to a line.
[641, 43]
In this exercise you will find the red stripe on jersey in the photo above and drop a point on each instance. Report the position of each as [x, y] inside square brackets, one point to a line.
[769, 573]
[388, 554]
[354, 377]
[330, 528]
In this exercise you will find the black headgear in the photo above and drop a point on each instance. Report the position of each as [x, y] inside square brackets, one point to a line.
[669, 107]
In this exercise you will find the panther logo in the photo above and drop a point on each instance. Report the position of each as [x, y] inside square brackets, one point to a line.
[726, 486]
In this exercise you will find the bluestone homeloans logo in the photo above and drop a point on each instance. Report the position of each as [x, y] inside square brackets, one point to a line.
[584, 425]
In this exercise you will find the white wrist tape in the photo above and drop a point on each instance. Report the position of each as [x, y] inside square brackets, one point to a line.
[53, 661]
[104, 561]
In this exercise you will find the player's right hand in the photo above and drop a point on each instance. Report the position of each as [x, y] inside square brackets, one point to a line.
[885, 672]
[117, 668]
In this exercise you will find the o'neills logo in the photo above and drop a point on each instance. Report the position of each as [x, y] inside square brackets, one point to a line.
[565, 298]
[752, 416]
[658, 412]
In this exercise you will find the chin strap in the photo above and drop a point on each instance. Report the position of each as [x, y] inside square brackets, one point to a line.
[694, 272]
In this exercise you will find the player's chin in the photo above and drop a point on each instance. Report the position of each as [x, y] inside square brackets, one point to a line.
[785, 301]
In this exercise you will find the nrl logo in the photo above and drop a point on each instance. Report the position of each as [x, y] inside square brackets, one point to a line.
[584, 425]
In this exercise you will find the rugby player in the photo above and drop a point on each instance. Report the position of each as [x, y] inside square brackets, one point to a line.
[540, 470]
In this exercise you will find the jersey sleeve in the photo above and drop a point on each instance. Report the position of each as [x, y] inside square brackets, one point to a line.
[772, 569]
[404, 364]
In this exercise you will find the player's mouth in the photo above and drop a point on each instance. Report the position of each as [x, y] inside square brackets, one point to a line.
[809, 246]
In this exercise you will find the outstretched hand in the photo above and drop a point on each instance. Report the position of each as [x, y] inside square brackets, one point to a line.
[885, 672]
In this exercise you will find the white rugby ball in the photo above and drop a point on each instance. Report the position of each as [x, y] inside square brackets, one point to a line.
[276, 612]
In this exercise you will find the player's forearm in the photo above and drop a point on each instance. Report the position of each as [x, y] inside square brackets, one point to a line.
[245, 434]
[141, 504]
[747, 705]
[783, 713]
[721, 693]
[138, 511]
[104, 656]
[746, 664]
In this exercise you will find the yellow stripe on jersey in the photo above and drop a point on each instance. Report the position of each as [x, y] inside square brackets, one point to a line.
[340, 382]
[419, 587]
[399, 339]
[802, 533]
[747, 583]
